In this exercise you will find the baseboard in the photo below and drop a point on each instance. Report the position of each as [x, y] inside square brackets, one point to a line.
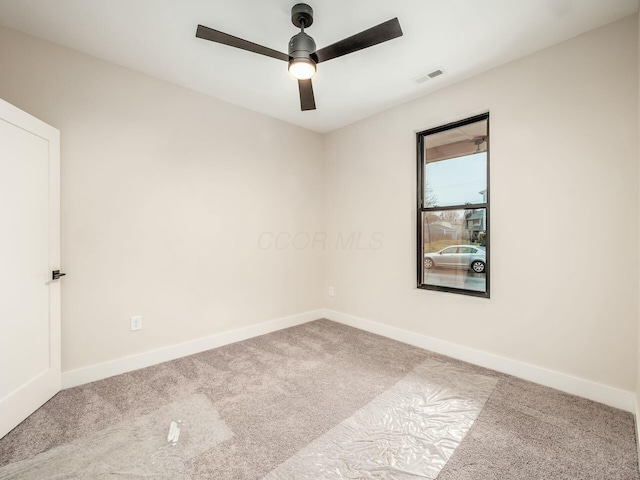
[576, 386]
[127, 364]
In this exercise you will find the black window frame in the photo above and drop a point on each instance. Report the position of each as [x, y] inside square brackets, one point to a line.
[421, 209]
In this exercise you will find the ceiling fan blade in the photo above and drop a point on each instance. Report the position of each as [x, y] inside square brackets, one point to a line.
[367, 38]
[207, 33]
[307, 100]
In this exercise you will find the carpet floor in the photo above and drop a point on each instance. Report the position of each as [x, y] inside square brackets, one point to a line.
[265, 406]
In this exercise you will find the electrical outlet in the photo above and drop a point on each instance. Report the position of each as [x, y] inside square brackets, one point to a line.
[136, 323]
[332, 292]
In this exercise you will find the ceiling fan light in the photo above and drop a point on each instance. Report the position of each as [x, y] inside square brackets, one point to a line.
[302, 68]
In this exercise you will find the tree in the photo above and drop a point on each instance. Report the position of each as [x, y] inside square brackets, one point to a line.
[451, 216]
[430, 198]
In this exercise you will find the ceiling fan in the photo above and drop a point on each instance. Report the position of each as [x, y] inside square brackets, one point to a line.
[303, 56]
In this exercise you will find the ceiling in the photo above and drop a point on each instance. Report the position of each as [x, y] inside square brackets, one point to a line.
[456, 142]
[462, 37]
[467, 132]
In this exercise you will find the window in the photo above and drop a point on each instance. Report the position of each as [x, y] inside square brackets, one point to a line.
[453, 207]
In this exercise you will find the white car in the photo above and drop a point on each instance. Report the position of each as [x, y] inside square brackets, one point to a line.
[458, 256]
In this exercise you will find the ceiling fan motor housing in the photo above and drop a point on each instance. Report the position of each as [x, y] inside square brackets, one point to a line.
[301, 46]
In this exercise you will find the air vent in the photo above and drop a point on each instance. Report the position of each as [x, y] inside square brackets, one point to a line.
[427, 76]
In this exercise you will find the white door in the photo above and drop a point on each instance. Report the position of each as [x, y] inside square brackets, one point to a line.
[29, 252]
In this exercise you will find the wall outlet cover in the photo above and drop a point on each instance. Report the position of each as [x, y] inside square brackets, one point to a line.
[136, 323]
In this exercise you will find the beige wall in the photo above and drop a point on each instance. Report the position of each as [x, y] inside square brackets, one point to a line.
[165, 195]
[564, 211]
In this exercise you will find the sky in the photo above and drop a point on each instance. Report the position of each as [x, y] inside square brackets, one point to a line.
[459, 180]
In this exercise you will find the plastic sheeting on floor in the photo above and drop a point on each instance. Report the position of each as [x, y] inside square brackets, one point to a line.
[150, 446]
[408, 432]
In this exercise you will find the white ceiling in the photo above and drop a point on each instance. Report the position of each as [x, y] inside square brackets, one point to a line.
[463, 37]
